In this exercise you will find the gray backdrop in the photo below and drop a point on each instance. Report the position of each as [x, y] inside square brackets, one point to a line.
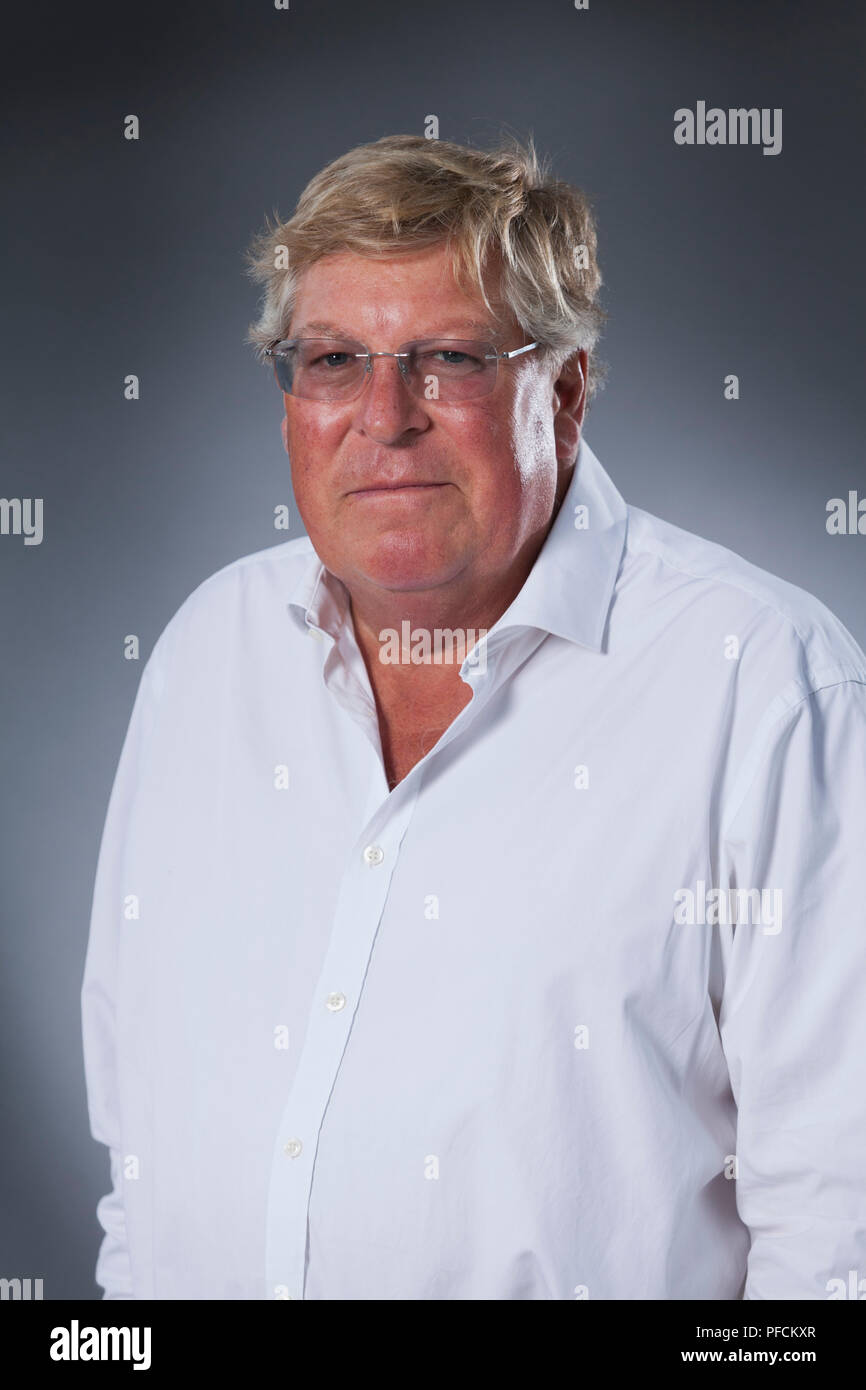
[126, 257]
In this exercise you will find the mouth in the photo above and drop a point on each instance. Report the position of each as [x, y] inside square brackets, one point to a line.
[398, 489]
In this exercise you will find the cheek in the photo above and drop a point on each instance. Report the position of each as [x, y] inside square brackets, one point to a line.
[512, 451]
[311, 441]
[511, 441]
[305, 433]
[533, 434]
[483, 442]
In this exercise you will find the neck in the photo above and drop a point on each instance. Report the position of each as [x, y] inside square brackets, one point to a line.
[459, 608]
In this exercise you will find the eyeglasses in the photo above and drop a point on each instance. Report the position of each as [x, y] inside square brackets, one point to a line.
[434, 369]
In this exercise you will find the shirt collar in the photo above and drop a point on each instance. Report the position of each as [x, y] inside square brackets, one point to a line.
[569, 589]
[319, 600]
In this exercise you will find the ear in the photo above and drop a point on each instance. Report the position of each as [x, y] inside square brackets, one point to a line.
[284, 424]
[569, 406]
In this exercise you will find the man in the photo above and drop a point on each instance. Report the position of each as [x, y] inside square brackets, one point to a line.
[478, 913]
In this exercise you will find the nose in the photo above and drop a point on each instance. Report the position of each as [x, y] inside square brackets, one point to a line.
[386, 409]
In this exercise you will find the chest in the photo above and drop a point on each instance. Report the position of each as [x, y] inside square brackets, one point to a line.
[409, 730]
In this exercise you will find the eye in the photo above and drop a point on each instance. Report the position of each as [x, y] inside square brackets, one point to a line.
[326, 356]
[456, 359]
[333, 359]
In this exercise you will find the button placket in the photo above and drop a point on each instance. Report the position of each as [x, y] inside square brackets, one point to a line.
[359, 910]
[360, 906]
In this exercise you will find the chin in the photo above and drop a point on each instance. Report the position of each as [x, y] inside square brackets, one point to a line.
[404, 578]
[403, 560]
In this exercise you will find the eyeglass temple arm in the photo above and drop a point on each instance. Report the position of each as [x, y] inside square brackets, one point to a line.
[515, 352]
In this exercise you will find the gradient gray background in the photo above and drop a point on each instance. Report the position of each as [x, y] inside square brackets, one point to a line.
[127, 257]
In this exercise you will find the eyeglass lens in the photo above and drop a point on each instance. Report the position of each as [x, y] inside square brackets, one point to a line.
[332, 369]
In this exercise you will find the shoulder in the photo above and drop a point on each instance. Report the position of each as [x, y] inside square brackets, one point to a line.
[782, 628]
[248, 596]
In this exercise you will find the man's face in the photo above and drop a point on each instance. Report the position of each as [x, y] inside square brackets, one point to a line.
[403, 494]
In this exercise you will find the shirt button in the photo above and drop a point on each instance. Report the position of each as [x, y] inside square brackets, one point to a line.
[374, 854]
[335, 1001]
[314, 633]
[293, 1148]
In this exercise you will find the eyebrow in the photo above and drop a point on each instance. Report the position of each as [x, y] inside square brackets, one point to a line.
[334, 330]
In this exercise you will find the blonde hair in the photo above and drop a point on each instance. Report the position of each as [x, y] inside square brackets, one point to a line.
[408, 192]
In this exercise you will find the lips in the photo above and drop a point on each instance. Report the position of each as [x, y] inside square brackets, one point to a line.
[396, 487]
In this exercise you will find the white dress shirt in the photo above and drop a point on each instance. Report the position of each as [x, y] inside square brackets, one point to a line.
[460, 1040]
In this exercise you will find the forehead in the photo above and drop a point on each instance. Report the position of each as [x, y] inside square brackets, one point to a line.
[411, 294]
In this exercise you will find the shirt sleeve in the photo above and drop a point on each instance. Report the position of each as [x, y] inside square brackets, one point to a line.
[98, 992]
[113, 1271]
[793, 1011]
